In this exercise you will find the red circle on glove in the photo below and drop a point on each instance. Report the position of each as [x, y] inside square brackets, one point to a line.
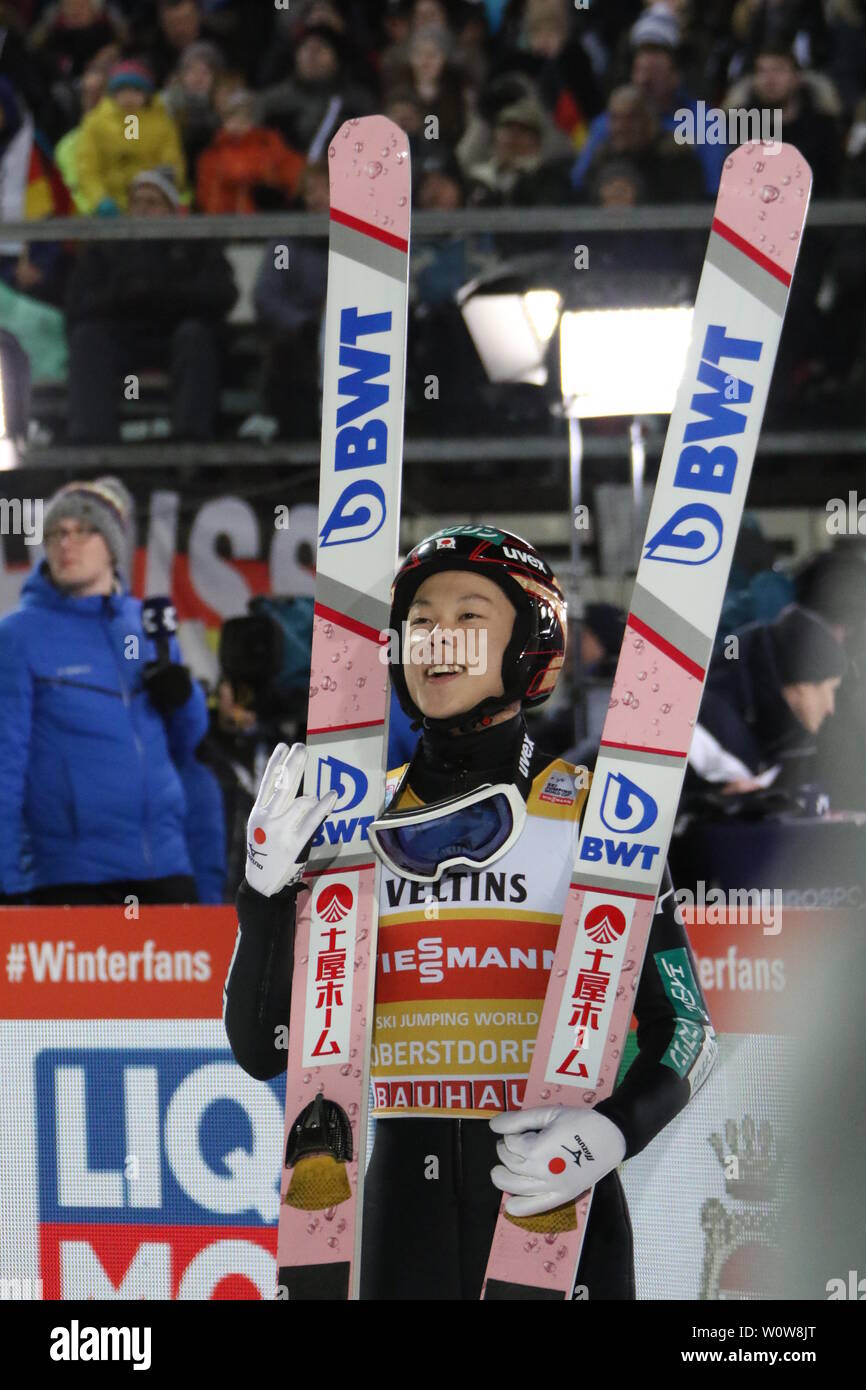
[259, 835]
[557, 1165]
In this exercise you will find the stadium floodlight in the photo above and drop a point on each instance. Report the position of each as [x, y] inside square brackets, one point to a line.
[622, 361]
[613, 361]
[511, 332]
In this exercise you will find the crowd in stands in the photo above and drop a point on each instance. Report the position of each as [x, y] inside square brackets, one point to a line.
[532, 97]
[174, 107]
[228, 107]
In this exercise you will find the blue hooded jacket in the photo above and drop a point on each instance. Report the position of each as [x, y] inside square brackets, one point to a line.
[89, 791]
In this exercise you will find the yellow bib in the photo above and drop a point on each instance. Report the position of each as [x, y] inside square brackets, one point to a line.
[463, 964]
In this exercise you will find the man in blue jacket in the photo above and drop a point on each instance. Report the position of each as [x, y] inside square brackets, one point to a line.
[93, 718]
[655, 72]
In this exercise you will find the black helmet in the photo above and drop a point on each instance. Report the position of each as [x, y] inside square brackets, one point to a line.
[534, 655]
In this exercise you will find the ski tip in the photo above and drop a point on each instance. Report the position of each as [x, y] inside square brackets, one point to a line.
[371, 179]
[763, 200]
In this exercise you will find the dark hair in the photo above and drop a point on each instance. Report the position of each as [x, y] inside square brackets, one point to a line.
[657, 48]
[775, 49]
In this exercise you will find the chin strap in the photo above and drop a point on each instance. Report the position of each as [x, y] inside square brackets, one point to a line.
[467, 722]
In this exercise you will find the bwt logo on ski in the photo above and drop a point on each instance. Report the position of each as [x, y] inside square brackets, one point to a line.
[351, 786]
[693, 534]
[347, 781]
[158, 1174]
[625, 808]
[360, 510]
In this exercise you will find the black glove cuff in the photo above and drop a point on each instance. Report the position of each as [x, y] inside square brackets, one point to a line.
[255, 910]
[168, 685]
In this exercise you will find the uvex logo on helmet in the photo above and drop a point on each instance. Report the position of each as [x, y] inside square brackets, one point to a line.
[533, 658]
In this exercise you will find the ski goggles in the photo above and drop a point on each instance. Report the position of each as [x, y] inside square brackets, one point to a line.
[470, 831]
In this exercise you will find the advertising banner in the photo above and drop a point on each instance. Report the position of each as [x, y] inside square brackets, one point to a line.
[140, 1161]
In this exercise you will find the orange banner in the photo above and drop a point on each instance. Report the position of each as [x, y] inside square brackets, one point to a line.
[753, 967]
[92, 962]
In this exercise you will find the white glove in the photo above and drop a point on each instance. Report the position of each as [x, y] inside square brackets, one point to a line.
[281, 822]
[572, 1150]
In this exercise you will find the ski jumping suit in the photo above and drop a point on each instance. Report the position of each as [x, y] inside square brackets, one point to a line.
[462, 971]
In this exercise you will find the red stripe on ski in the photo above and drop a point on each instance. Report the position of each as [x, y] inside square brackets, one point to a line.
[667, 647]
[751, 251]
[615, 892]
[357, 225]
[332, 615]
[337, 728]
[643, 748]
[340, 869]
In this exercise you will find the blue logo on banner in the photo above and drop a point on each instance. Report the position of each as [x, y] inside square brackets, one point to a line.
[168, 1137]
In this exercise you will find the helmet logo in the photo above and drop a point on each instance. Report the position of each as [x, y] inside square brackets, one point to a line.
[526, 755]
[446, 543]
[524, 557]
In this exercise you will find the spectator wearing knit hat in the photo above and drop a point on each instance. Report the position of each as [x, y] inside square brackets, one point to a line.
[190, 97]
[517, 174]
[833, 585]
[92, 720]
[765, 705]
[655, 71]
[141, 304]
[309, 104]
[108, 159]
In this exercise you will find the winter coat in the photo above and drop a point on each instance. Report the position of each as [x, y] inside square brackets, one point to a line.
[89, 791]
[108, 161]
[743, 707]
[232, 166]
[300, 109]
[537, 183]
[205, 828]
[156, 282]
[711, 157]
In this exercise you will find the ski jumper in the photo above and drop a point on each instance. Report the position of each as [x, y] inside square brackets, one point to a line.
[462, 970]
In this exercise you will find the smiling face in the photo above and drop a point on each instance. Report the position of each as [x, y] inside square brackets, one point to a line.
[458, 626]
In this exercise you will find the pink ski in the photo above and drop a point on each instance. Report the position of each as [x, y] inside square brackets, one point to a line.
[695, 517]
[327, 1086]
